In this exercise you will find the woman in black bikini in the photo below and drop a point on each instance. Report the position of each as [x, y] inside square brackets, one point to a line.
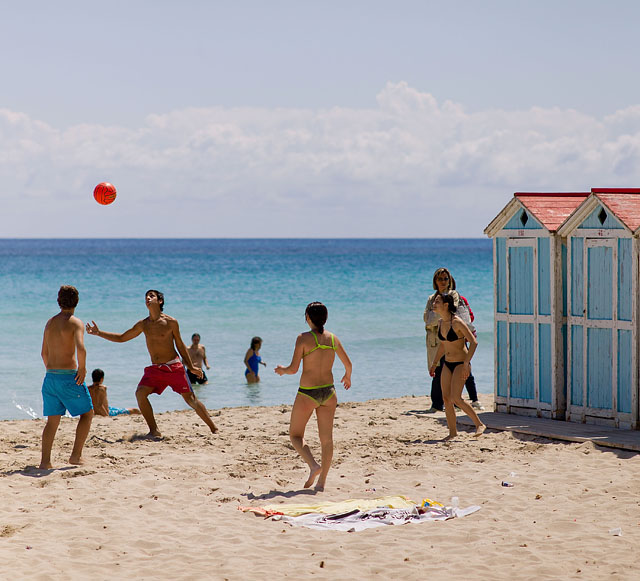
[457, 358]
[317, 350]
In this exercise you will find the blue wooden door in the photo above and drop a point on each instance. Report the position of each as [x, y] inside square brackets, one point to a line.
[601, 330]
[521, 300]
[599, 322]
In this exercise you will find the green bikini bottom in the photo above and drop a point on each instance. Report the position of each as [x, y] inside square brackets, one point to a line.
[320, 394]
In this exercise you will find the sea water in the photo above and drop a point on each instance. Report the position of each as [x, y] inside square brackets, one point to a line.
[230, 290]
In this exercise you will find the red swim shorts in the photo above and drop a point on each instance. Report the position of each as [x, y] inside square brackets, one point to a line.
[172, 375]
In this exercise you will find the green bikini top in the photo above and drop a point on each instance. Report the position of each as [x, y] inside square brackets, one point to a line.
[319, 346]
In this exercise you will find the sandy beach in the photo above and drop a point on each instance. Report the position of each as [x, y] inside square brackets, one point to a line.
[141, 509]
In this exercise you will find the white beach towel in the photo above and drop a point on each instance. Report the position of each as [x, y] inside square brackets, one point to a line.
[360, 520]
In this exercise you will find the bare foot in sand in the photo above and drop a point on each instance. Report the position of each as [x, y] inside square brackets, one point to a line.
[76, 461]
[480, 430]
[313, 474]
[154, 434]
[45, 466]
[450, 437]
[214, 428]
[319, 487]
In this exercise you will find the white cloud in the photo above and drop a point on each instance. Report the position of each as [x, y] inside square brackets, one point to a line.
[250, 171]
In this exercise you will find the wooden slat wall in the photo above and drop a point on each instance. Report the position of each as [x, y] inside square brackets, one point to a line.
[545, 371]
[625, 371]
[521, 359]
[544, 276]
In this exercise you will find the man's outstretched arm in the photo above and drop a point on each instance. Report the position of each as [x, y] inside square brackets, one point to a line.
[92, 329]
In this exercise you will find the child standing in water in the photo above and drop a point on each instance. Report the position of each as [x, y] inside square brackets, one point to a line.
[252, 361]
[317, 350]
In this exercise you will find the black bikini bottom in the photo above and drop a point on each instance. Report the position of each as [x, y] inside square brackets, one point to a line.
[452, 364]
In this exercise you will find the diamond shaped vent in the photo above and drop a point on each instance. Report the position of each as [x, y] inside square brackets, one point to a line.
[602, 216]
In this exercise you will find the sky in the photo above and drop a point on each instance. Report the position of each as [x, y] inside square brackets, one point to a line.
[293, 118]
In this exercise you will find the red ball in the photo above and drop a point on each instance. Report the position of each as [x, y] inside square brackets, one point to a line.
[105, 193]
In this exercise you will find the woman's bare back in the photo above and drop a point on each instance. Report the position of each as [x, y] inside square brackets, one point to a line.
[317, 362]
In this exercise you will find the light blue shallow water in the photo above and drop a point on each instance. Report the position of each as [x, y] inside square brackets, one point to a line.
[230, 290]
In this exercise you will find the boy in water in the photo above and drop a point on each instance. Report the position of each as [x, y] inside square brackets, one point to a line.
[164, 342]
[198, 358]
[98, 393]
[63, 387]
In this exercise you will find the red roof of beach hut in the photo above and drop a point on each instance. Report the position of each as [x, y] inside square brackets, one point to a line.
[623, 202]
[552, 209]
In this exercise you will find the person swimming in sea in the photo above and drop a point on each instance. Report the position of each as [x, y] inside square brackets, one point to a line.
[316, 349]
[252, 361]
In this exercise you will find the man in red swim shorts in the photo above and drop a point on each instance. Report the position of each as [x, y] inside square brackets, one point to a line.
[164, 342]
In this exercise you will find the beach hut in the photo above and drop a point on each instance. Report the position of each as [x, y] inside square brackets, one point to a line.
[602, 299]
[529, 266]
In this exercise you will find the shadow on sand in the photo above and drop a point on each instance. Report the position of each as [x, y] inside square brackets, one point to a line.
[280, 493]
[36, 472]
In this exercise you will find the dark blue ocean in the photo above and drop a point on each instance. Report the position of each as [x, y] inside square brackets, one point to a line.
[229, 291]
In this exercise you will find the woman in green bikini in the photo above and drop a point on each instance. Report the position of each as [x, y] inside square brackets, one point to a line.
[317, 350]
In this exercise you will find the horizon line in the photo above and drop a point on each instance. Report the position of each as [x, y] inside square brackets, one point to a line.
[251, 238]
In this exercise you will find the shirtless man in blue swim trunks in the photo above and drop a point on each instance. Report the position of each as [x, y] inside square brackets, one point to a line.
[63, 387]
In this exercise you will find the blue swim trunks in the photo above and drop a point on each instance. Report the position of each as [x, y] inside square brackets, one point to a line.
[60, 393]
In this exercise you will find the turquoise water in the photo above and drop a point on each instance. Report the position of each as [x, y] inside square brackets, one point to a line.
[230, 290]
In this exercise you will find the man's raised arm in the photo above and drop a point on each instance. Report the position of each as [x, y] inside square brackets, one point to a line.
[132, 333]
